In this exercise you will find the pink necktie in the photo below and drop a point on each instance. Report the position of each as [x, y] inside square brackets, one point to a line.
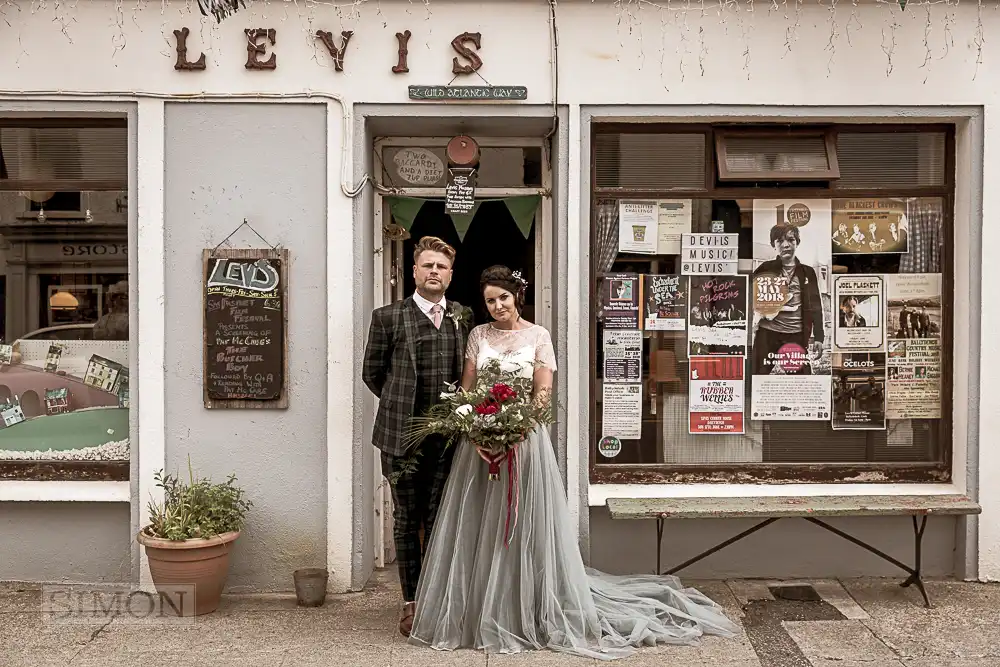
[436, 310]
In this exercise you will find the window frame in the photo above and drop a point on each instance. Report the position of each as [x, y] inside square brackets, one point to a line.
[723, 134]
[936, 472]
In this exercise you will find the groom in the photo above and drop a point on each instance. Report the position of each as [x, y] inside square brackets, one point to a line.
[415, 346]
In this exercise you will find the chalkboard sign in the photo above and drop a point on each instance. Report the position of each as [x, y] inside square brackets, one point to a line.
[245, 325]
[460, 193]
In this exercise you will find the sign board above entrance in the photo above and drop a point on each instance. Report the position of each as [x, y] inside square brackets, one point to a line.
[465, 93]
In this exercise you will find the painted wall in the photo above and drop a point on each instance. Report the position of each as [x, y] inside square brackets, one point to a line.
[265, 163]
[71, 542]
[609, 53]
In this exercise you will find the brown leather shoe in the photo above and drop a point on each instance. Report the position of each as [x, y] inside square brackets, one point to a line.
[406, 620]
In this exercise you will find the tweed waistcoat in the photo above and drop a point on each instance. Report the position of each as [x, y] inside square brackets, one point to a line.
[435, 359]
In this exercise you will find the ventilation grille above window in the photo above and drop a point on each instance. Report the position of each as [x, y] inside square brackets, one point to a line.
[775, 155]
[650, 161]
[63, 158]
[891, 159]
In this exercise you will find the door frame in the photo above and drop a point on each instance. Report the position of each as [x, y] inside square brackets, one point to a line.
[387, 250]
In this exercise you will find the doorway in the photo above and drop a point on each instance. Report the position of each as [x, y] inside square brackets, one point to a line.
[510, 167]
[493, 238]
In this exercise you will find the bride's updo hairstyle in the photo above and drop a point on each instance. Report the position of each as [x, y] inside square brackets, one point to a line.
[500, 276]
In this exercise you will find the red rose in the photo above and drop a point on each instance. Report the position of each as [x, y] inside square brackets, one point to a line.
[501, 392]
[488, 407]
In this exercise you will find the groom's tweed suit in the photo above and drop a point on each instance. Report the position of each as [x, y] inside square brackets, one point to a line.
[407, 363]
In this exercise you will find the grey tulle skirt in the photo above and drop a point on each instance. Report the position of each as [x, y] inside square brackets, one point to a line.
[476, 592]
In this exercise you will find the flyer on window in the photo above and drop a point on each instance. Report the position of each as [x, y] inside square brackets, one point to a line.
[715, 395]
[665, 307]
[914, 358]
[859, 380]
[860, 320]
[638, 226]
[791, 331]
[622, 411]
[622, 355]
[717, 316]
[673, 219]
[620, 294]
[869, 226]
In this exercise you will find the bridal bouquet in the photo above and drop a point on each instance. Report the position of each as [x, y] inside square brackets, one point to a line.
[496, 415]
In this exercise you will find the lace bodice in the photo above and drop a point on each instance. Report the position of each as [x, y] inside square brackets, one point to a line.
[518, 349]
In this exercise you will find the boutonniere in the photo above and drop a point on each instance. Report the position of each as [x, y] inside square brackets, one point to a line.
[460, 315]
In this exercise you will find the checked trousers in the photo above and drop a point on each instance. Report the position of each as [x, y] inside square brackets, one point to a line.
[416, 497]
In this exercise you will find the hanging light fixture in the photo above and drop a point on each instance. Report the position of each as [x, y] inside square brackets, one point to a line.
[63, 301]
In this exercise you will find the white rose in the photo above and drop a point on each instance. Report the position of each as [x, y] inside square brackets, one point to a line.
[463, 410]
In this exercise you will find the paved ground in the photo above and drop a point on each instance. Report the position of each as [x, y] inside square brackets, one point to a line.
[856, 623]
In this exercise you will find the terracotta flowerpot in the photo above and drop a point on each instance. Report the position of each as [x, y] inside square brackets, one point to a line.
[176, 565]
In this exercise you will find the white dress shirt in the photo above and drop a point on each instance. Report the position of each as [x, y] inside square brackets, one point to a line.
[425, 306]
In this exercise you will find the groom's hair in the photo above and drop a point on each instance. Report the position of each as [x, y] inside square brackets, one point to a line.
[434, 244]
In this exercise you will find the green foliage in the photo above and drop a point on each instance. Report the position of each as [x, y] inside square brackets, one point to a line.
[197, 508]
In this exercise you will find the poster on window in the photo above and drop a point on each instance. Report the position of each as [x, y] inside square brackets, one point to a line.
[673, 219]
[621, 301]
[859, 397]
[665, 302]
[717, 316]
[860, 320]
[914, 358]
[622, 355]
[622, 411]
[638, 226]
[869, 226]
[715, 395]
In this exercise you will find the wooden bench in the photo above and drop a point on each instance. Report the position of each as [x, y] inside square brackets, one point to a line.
[770, 509]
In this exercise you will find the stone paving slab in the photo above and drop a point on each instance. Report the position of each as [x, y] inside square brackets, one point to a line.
[878, 624]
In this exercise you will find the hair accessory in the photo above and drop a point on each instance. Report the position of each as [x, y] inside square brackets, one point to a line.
[519, 278]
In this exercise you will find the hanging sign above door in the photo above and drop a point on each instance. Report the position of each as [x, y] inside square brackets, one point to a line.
[460, 193]
[467, 93]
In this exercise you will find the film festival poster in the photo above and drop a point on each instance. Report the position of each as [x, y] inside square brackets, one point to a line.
[717, 316]
[869, 227]
[914, 358]
[859, 391]
[665, 302]
[715, 395]
[860, 322]
[790, 358]
[621, 296]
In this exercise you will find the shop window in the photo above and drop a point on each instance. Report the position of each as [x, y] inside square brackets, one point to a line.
[806, 337]
[65, 333]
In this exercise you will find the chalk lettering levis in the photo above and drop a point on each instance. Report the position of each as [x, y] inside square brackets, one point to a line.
[256, 276]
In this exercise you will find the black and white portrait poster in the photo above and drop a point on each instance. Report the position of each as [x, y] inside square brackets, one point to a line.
[717, 316]
[790, 358]
[869, 226]
[665, 298]
[620, 294]
[860, 321]
[859, 391]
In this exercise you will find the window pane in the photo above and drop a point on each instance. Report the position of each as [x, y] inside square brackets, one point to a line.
[904, 248]
[650, 161]
[64, 362]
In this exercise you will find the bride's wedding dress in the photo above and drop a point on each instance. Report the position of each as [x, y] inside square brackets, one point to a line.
[476, 592]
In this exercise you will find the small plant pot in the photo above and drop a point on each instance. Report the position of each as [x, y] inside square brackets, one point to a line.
[310, 586]
[178, 565]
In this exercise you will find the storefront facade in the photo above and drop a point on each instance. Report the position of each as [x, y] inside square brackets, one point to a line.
[325, 131]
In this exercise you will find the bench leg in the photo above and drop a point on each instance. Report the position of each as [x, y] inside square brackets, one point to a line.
[659, 541]
[918, 539]
[914, 572]
[718, 547]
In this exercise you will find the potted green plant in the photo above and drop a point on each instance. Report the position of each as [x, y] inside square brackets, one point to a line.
[189, 538]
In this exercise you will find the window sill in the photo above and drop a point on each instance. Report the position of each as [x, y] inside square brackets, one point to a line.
[598, 494]
[65, 491]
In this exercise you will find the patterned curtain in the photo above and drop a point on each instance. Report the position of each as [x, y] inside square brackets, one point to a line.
[924, 222]
[606, 247]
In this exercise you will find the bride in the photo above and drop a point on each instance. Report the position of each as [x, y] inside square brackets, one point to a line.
[477, 592]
